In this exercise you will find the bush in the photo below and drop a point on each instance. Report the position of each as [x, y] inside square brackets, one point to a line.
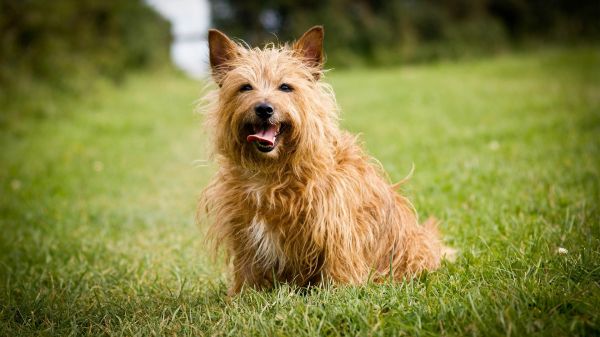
[381, 32]
[57, 41]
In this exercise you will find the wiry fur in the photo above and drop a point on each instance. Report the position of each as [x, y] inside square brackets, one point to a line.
[316, 208]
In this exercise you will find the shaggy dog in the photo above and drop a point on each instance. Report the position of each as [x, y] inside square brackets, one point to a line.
[295, 198]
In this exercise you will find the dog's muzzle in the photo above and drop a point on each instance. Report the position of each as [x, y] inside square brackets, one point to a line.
[264, 135]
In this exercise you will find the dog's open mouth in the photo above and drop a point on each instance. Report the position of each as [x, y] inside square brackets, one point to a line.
[264, 136]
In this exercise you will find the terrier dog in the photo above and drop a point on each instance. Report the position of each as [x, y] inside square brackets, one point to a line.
[295, 198]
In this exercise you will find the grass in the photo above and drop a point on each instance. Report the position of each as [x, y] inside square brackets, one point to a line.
[97, 208]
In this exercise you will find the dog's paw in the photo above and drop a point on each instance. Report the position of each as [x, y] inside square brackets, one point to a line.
[449, 253]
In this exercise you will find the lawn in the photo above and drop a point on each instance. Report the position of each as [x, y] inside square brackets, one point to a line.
[97, 206]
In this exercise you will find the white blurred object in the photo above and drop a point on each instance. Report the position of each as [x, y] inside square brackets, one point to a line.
[190, 21]
[562, 251]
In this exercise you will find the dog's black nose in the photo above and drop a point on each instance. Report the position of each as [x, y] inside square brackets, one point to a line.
[263, 110]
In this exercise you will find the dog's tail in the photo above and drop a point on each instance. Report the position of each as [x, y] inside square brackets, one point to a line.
[431, 225]
[405, 179]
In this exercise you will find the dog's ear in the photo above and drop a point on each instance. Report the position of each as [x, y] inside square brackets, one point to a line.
[310, 47]
[222, 50]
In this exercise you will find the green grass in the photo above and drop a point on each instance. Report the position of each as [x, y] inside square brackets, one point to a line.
[97, 232]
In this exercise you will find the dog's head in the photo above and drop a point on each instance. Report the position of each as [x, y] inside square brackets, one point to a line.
[270, 107]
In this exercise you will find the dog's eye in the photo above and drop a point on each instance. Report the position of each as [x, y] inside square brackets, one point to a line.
[245, 87]
[286, 87]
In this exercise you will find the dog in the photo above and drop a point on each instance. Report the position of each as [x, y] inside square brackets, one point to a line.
[295, 198]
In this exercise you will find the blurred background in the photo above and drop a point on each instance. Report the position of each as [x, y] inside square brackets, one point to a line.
[495, 103]
[66, 42]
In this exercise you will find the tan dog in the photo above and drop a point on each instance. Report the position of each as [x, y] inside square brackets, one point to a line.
[295, 198]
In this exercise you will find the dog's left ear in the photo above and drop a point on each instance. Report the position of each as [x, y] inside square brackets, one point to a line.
[310, 47]
[222, 50]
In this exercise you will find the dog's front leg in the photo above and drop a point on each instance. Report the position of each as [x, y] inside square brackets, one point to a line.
[247, 275]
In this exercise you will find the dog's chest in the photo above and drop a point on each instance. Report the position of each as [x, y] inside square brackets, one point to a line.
[265, 243]
[272, 245]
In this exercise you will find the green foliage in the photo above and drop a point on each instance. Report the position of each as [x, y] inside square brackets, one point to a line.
[65, 43]
[97, 208]
[382, 32]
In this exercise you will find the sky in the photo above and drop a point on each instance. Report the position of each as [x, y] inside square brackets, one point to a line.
[190, 20]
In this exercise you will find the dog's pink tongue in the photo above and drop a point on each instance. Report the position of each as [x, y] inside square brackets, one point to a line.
[264, 136]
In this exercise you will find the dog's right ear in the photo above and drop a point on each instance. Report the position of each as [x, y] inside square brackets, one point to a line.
[222, 50]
